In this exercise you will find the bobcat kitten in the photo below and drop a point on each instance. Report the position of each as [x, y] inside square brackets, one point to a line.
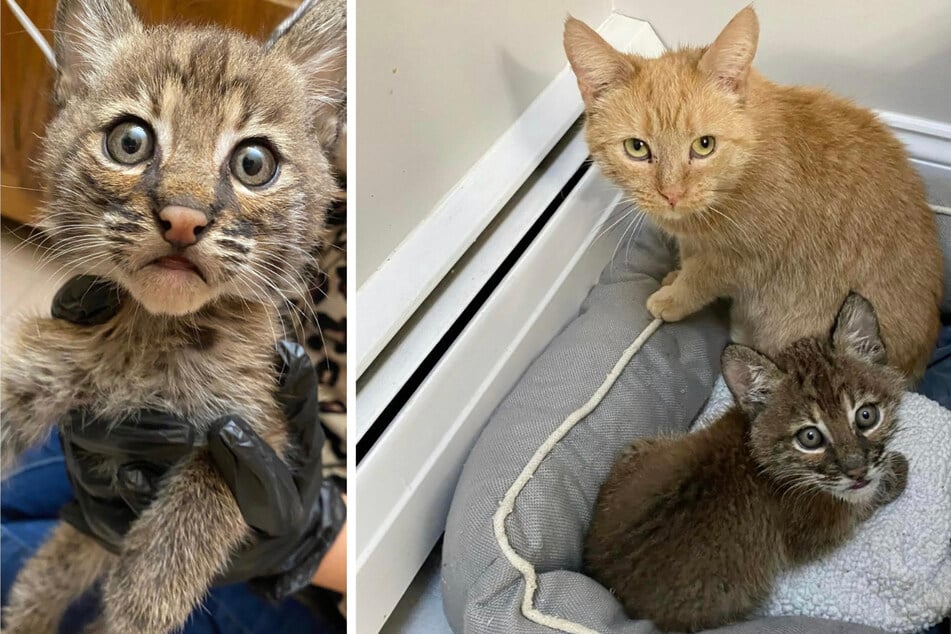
[189, 166]
[782, 198]
[690, 531]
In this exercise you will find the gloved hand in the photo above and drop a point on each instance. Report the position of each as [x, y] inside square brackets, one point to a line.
[296, 514]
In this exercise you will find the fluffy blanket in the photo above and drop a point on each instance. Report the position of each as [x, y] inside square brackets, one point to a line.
[895, 573]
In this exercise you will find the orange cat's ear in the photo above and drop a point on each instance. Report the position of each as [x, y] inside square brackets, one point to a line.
[729, 58]
[595, 63]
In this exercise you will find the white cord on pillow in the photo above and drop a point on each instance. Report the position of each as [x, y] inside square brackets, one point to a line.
[507, 505]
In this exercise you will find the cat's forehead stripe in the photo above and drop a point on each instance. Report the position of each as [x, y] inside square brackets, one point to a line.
[201, 82]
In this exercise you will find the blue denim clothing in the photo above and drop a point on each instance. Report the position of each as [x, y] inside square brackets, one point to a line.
[936, 384]
[30, 501]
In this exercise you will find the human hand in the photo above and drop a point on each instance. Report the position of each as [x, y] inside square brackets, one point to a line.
[295, 513]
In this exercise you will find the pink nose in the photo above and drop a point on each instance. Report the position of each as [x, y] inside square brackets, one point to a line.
[673, 197]
[857, 473]
[182, 225]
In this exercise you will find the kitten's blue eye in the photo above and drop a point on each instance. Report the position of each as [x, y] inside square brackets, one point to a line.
[130, 142]
[867, 417]
[253, 163]
[810, 438]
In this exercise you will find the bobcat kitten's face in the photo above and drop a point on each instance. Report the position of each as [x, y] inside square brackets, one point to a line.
[823, 414]
[188, 164]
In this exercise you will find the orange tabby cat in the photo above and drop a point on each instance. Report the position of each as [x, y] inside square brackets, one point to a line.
[781, 198]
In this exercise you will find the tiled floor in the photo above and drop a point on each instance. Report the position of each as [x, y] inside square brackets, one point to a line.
[27, 285]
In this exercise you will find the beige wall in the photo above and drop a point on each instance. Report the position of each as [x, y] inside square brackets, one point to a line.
[437, 82]
[885, 54]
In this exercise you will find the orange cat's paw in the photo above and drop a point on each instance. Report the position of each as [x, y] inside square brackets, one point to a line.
[669, 278]
[668, 305]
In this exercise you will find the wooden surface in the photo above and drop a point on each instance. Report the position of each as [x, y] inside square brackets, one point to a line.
[26, 78]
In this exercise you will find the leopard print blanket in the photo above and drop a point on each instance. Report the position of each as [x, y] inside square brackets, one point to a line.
[325, 338]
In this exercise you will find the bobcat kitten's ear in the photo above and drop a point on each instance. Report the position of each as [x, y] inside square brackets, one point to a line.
[856, 331]
[751, 377]
[729, 58]
[84, 33]
[595, 63]
[314, 38]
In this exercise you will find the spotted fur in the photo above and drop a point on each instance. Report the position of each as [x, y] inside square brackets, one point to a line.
[197, 346]
[690, 531]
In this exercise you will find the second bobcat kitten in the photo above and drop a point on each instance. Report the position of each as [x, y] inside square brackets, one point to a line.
[690, 532]
[782, 198]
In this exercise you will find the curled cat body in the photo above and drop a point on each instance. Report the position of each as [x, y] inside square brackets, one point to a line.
[191, 167]
[781, 198]
[691, 531]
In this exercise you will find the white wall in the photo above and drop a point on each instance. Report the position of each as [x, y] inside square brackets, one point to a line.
[885, 54]
[437, 82]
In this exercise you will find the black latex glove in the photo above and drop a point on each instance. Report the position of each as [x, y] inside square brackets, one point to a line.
[296, 514]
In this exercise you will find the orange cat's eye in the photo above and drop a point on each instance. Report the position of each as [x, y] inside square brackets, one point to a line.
[703, 147]
[637, 149]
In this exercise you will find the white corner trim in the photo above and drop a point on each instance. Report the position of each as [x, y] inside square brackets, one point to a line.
[407, 479]
[407, 350]
[925, 139]
[393, 292]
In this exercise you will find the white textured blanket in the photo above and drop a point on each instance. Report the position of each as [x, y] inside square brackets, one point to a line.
[895, 573]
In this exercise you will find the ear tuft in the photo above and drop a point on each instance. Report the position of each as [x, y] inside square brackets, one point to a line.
[729, 59]
[856, 331]
[85, 31]
[314, 38]
[595, 63]
[751, 377]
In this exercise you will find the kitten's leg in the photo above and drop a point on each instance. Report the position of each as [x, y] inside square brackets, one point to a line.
[39, 384]
[695, 285]
[670, 278]
[60, 572]
[173, 552]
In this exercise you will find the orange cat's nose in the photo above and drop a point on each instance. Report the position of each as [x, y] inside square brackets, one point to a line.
[673, 196]
[182, 225]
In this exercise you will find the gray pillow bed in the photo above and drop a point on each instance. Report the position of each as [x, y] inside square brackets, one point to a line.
[513, 542]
